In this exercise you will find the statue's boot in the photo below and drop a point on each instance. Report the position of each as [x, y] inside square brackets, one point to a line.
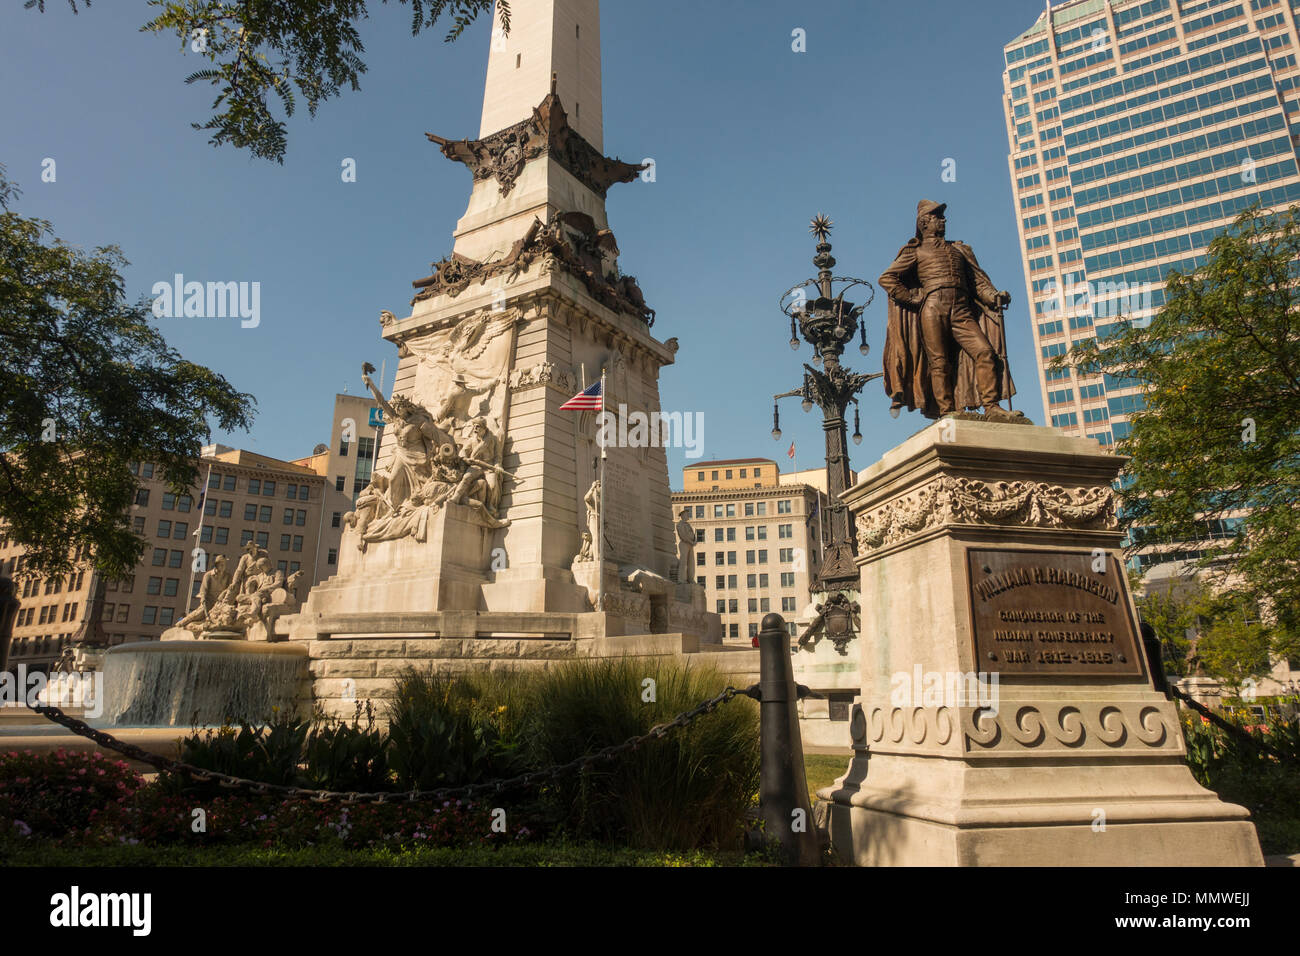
[996, 413]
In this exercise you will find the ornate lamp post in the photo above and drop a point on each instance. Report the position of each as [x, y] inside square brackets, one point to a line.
[828, 322]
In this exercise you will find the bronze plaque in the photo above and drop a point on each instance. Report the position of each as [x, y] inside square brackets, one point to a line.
[1049, 613]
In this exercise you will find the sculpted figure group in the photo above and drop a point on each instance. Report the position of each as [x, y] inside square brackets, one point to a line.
[254, 594]
[435, 460]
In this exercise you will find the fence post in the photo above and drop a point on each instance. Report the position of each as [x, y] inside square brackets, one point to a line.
[9, 605]
[783, 790]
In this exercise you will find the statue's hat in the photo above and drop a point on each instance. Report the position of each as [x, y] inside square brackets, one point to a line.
[927, 206]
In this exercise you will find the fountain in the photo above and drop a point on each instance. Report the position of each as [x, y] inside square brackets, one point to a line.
[222, 662]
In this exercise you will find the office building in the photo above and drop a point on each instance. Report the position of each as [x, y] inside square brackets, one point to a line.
[1137, 131]
[757, 540]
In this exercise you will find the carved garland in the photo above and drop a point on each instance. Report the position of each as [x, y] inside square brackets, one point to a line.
[546, 373]
[950, 501]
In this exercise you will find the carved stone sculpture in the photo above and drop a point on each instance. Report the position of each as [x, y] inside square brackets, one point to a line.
[214, 584]
[685, 546]
[941, 305]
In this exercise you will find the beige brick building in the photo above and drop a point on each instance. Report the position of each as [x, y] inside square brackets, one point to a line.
[757, 539]
[346, 464]
[275, 503]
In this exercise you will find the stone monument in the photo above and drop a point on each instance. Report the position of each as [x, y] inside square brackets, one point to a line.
[476, 541]
[1007, 714]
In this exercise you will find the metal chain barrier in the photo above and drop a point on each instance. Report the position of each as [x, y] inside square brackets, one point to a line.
[257, 787]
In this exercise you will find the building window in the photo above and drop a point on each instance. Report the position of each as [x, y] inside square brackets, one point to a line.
[343, 448]
[339, 482]
[758, 472]
[170, 587]
[154, 586]
[169, 501]
[751, 580]
[762, 532]
[742, 473]
[733, 605]
[753, 605]
[222, 536]
[159, 557]
[749, 557]
[728, 473]
[205, 534]
[229, 483]
[288, 516]
[297, 542]
[263, 539]
[762, 556]
[717, 534]
[254, 486]
[717, 511]
[184, 503]
[268, 489]
[753, 630]
[164, 529]
[291, 491]
[731, 557]
[180, 530]
[787, 579]
[227, 509]
[722, 605]
[137, 524]
[336, 519]
[714, 476]
[700, 559]
[165, 615]
[720, 582]
[731, 511]
[250, 512]
[719, 557]
[699, 534]
[304, 493]
[245, 536]
[175, 558]
[735, 630]
[699, 476]
[764, 604]
[787, 604]
[214, 481]
[284, 542]
[785, 531]
[264, 514]
[761, 509]
[210, 506]
[142, 497]
[148, 615]
[332, 557]
[699, 511]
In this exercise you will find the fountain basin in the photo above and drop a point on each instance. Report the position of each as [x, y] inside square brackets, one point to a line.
[188, 683]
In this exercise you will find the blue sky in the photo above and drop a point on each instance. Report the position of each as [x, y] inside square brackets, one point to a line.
[750, 139]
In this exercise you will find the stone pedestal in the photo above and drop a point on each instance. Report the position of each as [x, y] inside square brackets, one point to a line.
[1006, 714]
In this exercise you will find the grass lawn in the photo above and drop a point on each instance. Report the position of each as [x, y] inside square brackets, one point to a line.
[822, 770]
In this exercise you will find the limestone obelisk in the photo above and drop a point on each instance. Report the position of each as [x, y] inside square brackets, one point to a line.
[474, 524]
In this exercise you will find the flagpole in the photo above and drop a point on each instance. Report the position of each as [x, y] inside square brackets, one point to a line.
[598, 546]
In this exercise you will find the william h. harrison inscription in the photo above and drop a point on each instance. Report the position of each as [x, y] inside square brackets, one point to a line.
[1050, 613]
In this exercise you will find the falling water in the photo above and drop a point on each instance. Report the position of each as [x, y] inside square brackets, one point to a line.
[185, 683]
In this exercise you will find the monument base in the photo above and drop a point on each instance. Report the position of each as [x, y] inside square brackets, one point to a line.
[1007, 716]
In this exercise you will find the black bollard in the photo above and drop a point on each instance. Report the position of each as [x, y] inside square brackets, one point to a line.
[783, 790]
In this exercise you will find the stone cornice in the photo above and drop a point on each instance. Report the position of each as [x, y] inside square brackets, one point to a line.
[504, 154]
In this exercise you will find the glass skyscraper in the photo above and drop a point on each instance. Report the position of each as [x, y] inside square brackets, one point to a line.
[1137, 130]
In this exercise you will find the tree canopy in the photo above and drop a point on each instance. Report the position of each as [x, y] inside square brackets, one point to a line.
[88, 386]
[1218, 443]
[264, 48]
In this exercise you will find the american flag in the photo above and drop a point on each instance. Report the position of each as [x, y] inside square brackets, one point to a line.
[790, 453]
[589, 399]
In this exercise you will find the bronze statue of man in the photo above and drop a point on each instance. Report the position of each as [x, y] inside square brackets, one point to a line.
[945, 349]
